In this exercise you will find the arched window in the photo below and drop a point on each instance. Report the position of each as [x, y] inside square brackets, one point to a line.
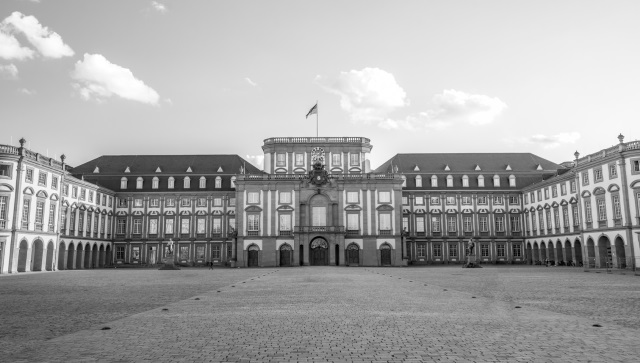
[418, 181]
[481, 180]
[496, 180]
[465, 181]
[218, 182]
[203, 182]
[434, 181]
[187, 182]
[155, 182]
[449, 181]
[233, 181]
[512, 180]
[139, 183]
[171, 182]
[123, 183]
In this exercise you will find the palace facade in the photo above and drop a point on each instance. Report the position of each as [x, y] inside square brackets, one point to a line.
[319, 202]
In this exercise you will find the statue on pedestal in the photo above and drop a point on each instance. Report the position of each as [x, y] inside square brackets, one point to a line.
[471, 256]
[168, 260]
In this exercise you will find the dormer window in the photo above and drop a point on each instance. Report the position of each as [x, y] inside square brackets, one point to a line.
[203, 182]
[449, 181]
[465, 181]
[171, 183]
[512, 181]
[123, 183]
[434, 181]
[481, 181]
[187, 182]
[496, 181]
[155, 182]
[96, 170]
[139, 182]
[418, 181]
[218, 182]
[233, 181]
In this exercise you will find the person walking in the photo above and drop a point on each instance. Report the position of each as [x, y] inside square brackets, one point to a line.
[210, 265]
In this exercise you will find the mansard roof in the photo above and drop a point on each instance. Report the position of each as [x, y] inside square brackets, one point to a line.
[168, 164]
[432, 163]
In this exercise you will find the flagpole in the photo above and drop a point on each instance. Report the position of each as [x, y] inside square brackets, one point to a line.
[317, 135]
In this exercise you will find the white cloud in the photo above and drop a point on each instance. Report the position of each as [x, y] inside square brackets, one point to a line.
[257, 160]
[9, 71]
[456, 106]
[252, 83]
[370, 94]
[10, 48]
[27, 92]
[161, 8]
[47, 42]
[552, 141]
[100, 79]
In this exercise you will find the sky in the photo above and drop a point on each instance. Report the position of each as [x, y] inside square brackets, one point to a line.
[90, 77]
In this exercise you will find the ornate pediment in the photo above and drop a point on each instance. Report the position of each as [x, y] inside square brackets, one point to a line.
[353, 207]
[384, 207]
[253, 208]
[285, 208]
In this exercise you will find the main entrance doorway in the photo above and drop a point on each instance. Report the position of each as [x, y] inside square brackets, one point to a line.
[319, 252]
[385, 255]
[252, 260]
[285, 255]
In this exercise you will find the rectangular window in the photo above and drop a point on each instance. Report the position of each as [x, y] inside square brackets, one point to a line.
[500, 250]
[467, 223]
[565, 217]
[352, 197]
[336, 159]
[119, 252]
[319, 216]
[434, 200]
[96, 222]
[39, 215]
[452, 224]
[90, 196]
[353, 222]
[355, 159]
[81, 221]
[513, 199]
[215, 252]
[585, 178]
[385, 222]
[384, 197]
[602, 210]
[28, 177]
[484, 249]
[122, 226]
[5, 170]
[216, 227]
[232, 202]
[232, 224]
[184, 226]
[83, 194]
[534, 225]
[597, 175]
[533, 197]
[154, 202]
[170, 202]
[285, 197]
[253, 222]
[587, 210]
[466, 200]
[285, 222]
[421, 250]
[65, 190]
[281, 159]
[200, 252]
[74, 192]
[554, 191]
[405, 224]
[168, 226]
[526, 198]
[420, 224]
[420, 200]
[72, 222]
[253, 197]
[184, 252]
[499, 221]
[539, 195]
[137, 226]
[636, 165]
[617, 212]
[300, 159]
[437, 250]
[497, 200]
[546, 193]
[482, 200]
[202, 183]
[484, 223]
[451, 200]
[563, 188]
[3, 211]
[137, 202]
[515, 223]
[185, 202]
[541, 220]
[42, 178]
[122, 202]
[453, 250]
[613, 171]
[201, 224]
[405, 200]
[517, 250]
[217, 202]
[153, 226]
[573, 186]
[556, 218]
[435, 224]
[576, 216]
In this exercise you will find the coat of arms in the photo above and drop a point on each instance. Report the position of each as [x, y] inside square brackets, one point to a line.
[318, 176]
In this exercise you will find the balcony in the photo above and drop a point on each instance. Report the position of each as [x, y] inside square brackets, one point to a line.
[285, 233]
[436, 234]
[500, 233]
[385, 232]
[468, 233]
[353, 232]
[253, 233]
[516, 234]
[216, 234]
[452, 234]
[315, 229]
[602, 224]
[420, 234]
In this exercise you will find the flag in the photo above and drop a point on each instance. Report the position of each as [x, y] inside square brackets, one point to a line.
[313, 110]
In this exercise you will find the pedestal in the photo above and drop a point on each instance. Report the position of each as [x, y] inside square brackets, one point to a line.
[169, 264]
[471, 262]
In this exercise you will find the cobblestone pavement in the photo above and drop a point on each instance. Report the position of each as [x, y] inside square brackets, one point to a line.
[319, 314]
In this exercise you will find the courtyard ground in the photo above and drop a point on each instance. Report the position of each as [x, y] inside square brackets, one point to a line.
[307, 314]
